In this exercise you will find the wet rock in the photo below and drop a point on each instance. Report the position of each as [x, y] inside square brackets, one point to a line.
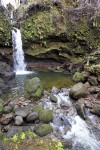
[32, 117]
[23, 112]
[7, 109]
[80, 107]
[18, 120]
[33, 88]
[92, 80]
[53, 98]
[96, 110]
[57, 120]
[5, 119]
[77, 91]
[43, 130]
[80, 77]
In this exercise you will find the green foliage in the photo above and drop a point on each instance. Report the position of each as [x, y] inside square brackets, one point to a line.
[60, 146]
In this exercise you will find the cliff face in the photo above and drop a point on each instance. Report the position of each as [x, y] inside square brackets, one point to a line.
[57, 30]
[5, 28]
[60, 28]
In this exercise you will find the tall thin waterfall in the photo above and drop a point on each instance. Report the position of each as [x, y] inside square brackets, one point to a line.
[14, 3]
[18, 54]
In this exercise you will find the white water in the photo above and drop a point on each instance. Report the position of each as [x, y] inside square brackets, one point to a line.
[14, 3]
[79, 131]
[18, 54]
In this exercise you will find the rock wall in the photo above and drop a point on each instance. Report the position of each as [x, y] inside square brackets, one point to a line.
[60, 28]
[64, 31]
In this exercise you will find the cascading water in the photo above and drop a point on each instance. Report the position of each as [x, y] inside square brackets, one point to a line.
[18, 54]
[79, 132]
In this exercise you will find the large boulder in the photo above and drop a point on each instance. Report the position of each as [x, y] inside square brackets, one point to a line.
[33, 88]
[77, 91]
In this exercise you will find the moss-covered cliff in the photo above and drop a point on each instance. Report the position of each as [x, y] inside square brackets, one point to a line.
[60, 27]
[5, 37]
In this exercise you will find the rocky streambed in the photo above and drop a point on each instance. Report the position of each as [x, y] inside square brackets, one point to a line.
[59, 119]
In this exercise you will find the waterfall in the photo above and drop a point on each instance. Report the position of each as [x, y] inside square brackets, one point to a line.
[18, 54]
[14, 3]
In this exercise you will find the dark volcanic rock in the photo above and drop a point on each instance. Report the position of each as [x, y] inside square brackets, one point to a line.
[32, 117]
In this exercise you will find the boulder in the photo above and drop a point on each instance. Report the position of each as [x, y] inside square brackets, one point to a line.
[33, 88]
[77, 91]
[32, 117]
[43, 129]
[18, 120]
[92, 80]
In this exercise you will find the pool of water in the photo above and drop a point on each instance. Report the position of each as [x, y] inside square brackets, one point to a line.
[48, 79]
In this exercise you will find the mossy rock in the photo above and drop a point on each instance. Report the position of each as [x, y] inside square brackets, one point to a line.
[5, 28]
[44, 115]
[95, 69]
[80, 76]
[43, 130]
[33, 88]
